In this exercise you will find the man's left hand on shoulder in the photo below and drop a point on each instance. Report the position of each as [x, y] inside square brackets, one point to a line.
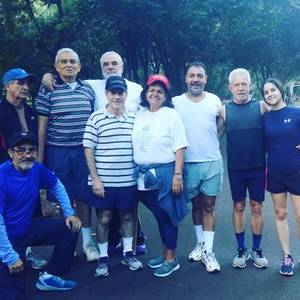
[73, 223]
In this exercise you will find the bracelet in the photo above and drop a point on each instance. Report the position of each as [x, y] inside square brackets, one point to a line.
[179, 173]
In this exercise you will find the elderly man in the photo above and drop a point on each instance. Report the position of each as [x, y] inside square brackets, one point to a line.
[111, 64]
[246, 164]
[203, 162]
[109, 155]
[17, 116]
[20, 181]
[63, 114]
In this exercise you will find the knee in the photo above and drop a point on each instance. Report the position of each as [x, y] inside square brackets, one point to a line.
[126, 217]
[281, 214]
[104, 218]
[196, 204]
[239, 207]
[256, 209]
[209, 208]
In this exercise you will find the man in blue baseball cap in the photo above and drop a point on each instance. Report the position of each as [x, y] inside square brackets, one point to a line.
[17, 116]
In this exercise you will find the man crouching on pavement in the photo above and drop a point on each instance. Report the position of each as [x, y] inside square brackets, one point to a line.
[20, 182]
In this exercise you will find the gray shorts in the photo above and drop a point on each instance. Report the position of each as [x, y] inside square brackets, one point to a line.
[204, 177]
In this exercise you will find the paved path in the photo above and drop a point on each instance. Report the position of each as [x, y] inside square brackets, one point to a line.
[191, 281]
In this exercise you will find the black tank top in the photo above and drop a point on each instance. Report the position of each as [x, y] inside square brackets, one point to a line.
[245, 143]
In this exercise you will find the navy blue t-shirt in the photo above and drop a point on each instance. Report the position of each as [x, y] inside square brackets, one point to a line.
[282, 135]
[19, 194]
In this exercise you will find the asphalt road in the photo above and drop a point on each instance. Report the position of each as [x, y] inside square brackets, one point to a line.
[191, 281]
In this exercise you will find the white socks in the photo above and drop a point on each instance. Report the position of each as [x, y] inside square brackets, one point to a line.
[103, 249]
[208, 240]
[127, 244]
[86, 236]
[199, 233]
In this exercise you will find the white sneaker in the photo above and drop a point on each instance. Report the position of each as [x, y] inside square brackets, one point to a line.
[197, 253]
[211, 264]
[91, 252]
[259, 260]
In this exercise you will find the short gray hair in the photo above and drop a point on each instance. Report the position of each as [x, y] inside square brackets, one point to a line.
[111, 53]
[66, 50]
[239, 71]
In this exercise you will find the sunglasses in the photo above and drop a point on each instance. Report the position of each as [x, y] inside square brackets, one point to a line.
[24, 150]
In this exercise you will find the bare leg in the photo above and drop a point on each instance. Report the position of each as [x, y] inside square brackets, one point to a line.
[103, 221]
[208, 203]
[296, 205]
[238, 216]
[257, 218]
[282, 226]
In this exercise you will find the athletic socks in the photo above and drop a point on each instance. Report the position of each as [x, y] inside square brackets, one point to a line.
[256, 241]
[240, 238]
[86, 236]
[103, 249]
[199, 233]
[127, 244]
[208, 240]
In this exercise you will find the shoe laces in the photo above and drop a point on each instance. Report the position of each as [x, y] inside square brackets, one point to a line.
[287, 260]
[241, 252]
[259, 253]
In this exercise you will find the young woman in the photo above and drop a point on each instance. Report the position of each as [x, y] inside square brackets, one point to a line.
[282, 135]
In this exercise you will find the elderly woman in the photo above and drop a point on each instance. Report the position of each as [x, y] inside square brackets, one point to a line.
[282, 134]
[159, 143]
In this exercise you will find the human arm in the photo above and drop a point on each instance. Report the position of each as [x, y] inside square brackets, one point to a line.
[221, 122]
[7, 254]
[42, 134]
[48, 81]
[97, 185]
[59, 191]
[177, 181]
[264, 107]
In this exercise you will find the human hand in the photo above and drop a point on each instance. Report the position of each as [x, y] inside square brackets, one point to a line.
[98, 188]
[17, 267]
[177, 184]
[73, 223]
[48, 81]
[298, 147]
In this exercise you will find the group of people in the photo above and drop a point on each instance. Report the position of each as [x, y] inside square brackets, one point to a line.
[111, 144]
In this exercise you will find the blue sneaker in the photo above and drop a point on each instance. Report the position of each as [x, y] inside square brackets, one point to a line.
[156, 262]
[48, 282]
[140, 249]
[287, 265]
[167, 268]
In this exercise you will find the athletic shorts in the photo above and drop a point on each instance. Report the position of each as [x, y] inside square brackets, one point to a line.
[282, 181]
[120, 198]
[204, 177]
[252, 180]
[69, 165]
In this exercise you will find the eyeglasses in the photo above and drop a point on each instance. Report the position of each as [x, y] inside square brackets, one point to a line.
[64, 61]
[23, 150]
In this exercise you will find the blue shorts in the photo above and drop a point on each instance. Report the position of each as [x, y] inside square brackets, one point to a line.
[279, 181]
[204, 177]
[120, 198]
[69, 165]
[252, 180]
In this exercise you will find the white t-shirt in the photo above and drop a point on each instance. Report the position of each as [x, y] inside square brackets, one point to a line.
[157, 136]
[199, 119]
[133, 98]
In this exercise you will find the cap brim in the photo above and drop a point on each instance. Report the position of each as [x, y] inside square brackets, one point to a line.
[117, 87]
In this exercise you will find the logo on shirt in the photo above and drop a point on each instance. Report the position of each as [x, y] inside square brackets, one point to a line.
[287, 120]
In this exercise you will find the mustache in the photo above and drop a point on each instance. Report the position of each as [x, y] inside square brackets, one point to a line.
[28, 160]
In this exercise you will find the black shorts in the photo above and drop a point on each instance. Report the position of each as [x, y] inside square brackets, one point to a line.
[251, 180]
[279, 181]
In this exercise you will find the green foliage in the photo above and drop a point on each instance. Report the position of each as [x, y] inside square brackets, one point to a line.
[156, 36]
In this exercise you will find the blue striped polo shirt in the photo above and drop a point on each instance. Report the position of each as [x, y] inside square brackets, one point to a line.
[110, 138]
[68, 111]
